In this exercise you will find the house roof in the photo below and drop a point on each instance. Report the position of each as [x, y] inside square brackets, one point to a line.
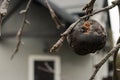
[64, 9]
[60, 12]
[75, 6]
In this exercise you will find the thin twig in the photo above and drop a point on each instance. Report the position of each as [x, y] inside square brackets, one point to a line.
[49, 67]
[58, 44]
[4, 7]
[89, 8]
[91, 3]
[44, 69]
[115, 70]
[20, 31]
[115, 75]
[1, 20]
[3, 11]
[99, 65]
[114, 3]
[54, 17]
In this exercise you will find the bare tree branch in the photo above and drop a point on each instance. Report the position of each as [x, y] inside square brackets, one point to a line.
[89, 5]
[44, 69]
[3, 11]
[54, 17]
[20, 31]
[114, 3]
[89, 8]
[115, 75]
[4, 7]
[58, 44]
[47, 69]
[99, 65]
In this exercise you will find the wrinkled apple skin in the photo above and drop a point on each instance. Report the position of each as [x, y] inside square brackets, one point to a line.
[87, 37]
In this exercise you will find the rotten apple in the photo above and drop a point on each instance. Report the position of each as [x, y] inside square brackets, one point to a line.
[87, 37]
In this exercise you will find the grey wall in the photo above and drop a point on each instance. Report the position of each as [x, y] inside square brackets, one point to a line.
[73, 66]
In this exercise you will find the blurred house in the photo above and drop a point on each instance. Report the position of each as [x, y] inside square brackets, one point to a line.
[41, 34]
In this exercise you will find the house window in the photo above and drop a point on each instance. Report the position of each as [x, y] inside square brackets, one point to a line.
[44, 67]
